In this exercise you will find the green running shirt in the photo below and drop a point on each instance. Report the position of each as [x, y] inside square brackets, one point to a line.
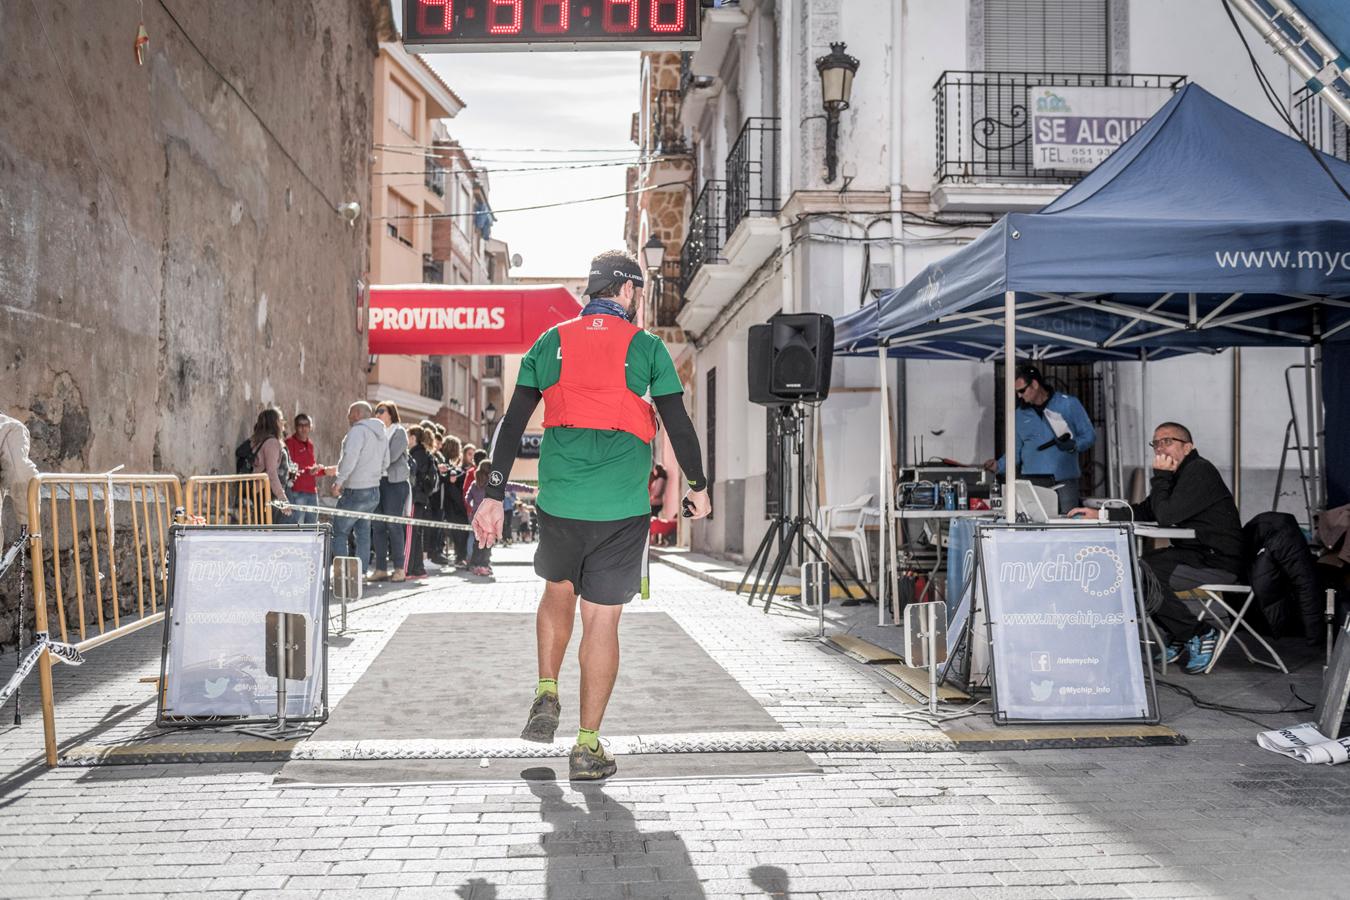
[599, 476]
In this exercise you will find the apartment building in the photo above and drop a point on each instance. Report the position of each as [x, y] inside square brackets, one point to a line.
[932, 148]
[431, 223]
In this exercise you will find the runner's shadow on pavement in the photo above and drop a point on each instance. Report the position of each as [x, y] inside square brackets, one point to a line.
[773, 881]
[599, 843]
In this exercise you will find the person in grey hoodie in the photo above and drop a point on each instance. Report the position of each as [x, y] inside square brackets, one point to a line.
[394, 489]
[365, 457]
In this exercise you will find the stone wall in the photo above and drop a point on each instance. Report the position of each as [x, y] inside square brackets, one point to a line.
[172, 257]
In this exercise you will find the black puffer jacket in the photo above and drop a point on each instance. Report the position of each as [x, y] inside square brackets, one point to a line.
[1283, 576]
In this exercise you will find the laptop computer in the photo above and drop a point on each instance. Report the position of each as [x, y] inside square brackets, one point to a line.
[1036, 502]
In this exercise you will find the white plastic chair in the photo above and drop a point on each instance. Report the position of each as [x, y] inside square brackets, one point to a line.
[1210, 596]
[848, 521]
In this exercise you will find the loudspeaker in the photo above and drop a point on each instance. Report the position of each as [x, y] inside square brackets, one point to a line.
[789, 359]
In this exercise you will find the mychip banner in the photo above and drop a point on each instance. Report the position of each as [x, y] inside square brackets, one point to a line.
[1077, 127]
[1064, 624]
[223, 581]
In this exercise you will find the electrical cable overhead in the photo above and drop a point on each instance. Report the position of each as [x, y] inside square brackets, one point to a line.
[1278, 104]
[459, 146]
[558, 168]
[498, 212]
[332, 204]
[442, 153]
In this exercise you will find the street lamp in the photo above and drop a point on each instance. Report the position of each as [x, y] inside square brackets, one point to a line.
[489, 419]
[654, 252]
[836, 87]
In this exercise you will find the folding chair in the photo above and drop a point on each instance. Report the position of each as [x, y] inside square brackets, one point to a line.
[1210, 596]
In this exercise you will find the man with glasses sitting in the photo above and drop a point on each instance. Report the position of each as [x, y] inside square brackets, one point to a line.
[1187, 491]
[1052, 429]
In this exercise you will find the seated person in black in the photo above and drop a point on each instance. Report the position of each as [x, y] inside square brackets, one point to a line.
[1187, 491]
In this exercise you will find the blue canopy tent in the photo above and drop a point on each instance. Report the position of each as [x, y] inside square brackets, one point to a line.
[1207, 229]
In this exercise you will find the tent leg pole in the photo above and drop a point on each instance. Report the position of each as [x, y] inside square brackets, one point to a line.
[1009, 405]
[884, 488]
[1319, 431]
[1237, 427]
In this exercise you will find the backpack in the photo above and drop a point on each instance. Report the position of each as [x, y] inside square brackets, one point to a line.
[244, 455]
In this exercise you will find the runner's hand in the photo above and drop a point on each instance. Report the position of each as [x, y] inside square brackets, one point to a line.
[701, 503]
[487, 523]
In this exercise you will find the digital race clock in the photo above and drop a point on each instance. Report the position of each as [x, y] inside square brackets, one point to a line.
[430, 25]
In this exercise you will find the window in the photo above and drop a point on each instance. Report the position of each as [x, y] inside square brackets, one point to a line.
[401, 107]
[1045, 35]
[400, 223]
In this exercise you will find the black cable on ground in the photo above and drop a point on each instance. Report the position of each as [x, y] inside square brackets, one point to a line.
[1238, 711]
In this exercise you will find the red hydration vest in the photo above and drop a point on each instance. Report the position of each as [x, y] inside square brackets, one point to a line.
[592, 387]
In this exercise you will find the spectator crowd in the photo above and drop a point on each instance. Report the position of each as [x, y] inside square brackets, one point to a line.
[390, 468]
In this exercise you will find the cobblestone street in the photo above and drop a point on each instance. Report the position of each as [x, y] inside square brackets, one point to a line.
[1217, 817]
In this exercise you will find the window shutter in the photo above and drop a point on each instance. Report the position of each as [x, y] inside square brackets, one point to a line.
[1045, 36]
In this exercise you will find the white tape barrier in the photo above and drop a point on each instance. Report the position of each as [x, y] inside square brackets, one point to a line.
[371, 517]
[67, 653]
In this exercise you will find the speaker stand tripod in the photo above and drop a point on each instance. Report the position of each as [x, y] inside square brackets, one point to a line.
[798, 530]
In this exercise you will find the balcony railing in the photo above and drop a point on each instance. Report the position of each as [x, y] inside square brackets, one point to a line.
[435, 177]
[667, 296]
[984, 121]
[665, 137]
[433, 270]
[707, 232]
[433, 379]
[1320, 126]
[752, 172]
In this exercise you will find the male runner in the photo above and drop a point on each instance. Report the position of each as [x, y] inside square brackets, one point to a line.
[599, 376]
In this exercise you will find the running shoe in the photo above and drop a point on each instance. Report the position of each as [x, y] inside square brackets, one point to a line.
[1168, 653]
[585, 764]
[543, 721]
[1200, 651]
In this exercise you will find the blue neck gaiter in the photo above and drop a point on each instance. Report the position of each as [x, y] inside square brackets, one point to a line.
[604, 306]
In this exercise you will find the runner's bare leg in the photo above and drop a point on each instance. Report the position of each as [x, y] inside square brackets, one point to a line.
[553, 626]
[599, 660]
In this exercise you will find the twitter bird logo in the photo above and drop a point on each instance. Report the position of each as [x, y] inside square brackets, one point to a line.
[1041, 690]
[216, 686]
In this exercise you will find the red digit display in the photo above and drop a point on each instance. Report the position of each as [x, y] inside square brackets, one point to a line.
[446, 15]
[444, 25]
[510, 22]
[551, 16]
[667, 16]
[621, 16]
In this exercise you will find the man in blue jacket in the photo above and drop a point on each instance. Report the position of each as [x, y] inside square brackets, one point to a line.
[1052, 429]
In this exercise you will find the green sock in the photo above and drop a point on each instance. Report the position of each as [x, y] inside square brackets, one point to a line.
[590, 738]
[547, 686]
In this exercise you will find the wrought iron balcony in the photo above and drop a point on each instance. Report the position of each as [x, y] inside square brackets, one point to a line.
[433, 379]
[984, 121]
[665, 137]
[667, 295]
[707, 232]
[1320, 126]
[435, 176]
[433, 270]
[752, 172]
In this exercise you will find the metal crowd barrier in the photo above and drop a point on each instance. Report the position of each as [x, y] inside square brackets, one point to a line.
[75, 518]
[230, 499]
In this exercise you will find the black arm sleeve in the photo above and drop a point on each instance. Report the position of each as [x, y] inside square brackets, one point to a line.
[506, 442]
[683, 439]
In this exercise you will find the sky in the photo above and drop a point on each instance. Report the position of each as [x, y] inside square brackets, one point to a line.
[545, 103]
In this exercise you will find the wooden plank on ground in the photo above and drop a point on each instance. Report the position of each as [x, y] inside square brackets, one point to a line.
[863, 651]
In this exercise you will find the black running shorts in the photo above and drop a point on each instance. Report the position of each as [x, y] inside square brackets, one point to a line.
[603, 560]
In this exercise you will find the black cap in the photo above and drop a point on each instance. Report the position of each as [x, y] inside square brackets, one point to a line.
[608, 270]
